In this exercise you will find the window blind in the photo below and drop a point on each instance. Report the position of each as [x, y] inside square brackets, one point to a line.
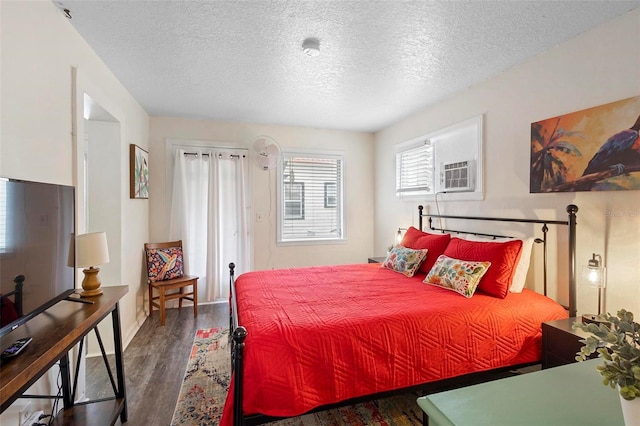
[414, 169]
[311, 206]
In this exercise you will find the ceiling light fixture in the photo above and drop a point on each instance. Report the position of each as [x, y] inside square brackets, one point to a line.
[311, 46]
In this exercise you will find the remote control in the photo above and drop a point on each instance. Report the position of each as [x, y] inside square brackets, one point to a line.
[15, 348]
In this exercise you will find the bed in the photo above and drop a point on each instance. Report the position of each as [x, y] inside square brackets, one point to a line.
[306, 339]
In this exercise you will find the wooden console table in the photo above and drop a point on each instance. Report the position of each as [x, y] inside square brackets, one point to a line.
[54, 333]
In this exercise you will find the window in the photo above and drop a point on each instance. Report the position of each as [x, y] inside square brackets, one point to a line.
[293, 200]
[330, 195]
[414, 168]
[447, 161]
[310, 202]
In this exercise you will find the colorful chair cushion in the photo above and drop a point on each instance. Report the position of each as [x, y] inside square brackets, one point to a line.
[164, 264]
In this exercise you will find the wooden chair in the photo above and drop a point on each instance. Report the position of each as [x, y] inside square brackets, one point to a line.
[166, 288]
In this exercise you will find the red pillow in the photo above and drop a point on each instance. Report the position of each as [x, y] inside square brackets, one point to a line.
[504, 258]
[434, 243]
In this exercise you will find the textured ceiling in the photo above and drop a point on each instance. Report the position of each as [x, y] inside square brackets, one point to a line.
[380, 60]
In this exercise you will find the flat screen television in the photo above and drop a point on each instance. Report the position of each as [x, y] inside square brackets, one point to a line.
[37, 226]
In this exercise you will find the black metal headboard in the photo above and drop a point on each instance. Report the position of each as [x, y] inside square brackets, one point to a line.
[570, 222]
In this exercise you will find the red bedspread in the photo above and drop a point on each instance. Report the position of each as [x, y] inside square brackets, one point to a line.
[325, 334]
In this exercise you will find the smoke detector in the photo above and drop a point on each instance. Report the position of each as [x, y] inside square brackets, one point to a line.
[311, 46]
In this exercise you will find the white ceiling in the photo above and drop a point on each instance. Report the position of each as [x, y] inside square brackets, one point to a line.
[380, 60]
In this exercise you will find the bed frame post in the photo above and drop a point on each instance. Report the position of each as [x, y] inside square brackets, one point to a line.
[19, 280]
[232, 301]
[545, 230]
[572, 209]
[239, 335]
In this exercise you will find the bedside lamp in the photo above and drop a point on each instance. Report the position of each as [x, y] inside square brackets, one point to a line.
[593, 274]
[91, 250]
[400, 234]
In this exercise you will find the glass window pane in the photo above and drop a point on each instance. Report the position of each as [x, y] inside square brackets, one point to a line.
[311, 197]
[414, 169]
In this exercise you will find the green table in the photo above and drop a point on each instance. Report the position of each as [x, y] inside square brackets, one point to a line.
[569, 395]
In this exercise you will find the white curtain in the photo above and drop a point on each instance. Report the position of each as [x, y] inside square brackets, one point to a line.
[209, 214]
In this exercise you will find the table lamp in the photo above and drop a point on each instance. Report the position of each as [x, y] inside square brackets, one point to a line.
[593, 274]
[91, 250]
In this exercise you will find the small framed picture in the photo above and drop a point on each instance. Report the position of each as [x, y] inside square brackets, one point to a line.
[138, 172]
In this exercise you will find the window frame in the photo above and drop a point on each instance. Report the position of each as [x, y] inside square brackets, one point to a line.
[300, 201]
[281, 239]
[405, 148]
[462, 141]
[328, 204]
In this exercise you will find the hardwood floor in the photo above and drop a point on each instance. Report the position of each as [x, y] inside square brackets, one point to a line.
[155, 362]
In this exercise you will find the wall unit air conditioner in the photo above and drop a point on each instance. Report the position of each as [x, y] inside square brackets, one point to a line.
[457, 177]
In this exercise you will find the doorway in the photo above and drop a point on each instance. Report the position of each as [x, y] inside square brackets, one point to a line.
[102, 175]
[98, 182]
[209, 211]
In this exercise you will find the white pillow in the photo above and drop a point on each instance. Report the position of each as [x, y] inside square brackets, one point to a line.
[520, 275]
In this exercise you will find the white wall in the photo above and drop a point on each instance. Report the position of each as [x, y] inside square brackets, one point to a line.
[39, 50]
[104, 149]
[597, 67]
[359, 193]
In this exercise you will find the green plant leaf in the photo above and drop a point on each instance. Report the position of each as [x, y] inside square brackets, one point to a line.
[617, 342]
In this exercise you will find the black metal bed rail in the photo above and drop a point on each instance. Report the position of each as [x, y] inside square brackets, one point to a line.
[494, 219]
[570, 222]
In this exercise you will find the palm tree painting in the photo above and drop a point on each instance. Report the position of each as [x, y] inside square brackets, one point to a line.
[596, 149]
[139, 172]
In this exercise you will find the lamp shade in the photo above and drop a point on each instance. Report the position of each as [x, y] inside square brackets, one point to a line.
[594, 274]
[91, 249]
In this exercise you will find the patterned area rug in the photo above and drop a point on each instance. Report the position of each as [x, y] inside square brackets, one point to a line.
[205, 384]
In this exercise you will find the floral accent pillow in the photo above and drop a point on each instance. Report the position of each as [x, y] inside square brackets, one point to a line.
[404, 260]
[461, 276]
[164, 264]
